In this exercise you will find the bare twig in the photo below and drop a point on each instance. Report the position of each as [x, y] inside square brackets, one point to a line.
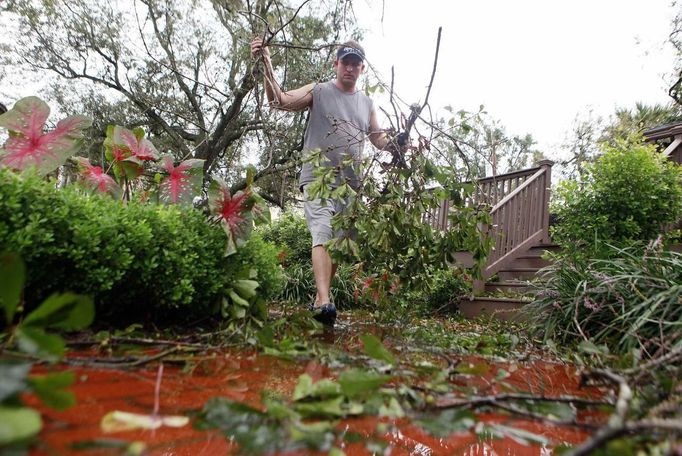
[617, 424]
[137, 341]
[483, 400]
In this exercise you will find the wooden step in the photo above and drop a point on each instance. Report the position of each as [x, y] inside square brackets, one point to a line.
[511, 286]
[508, 275]
[506, 309]
[540, 249]
[529, 262]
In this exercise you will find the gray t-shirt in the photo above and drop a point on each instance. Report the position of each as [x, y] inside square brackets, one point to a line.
[338, 126]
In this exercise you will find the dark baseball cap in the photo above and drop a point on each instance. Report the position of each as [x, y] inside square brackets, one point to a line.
[349, 50]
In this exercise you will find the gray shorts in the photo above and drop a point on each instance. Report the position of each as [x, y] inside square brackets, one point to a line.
[319, 218]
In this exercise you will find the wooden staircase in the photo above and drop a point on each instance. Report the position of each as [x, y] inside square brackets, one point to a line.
[519, 204]
[512, 288]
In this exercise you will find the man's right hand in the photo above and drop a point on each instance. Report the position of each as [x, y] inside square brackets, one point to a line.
[258, 49]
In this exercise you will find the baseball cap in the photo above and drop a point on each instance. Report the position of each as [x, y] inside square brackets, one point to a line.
[349, 50]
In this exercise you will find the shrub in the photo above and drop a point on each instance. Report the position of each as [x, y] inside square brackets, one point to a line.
[444, 290]
[291, 234]
[133, 259]
[262, 257]
[629, 299]
[628, 194]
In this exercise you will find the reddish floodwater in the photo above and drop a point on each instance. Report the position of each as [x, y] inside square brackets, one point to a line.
[242, 376]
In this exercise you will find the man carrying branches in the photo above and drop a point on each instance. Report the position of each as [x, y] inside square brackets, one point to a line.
[341, 117]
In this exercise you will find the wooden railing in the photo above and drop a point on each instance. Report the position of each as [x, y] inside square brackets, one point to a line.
[520, 212]
[521, 216]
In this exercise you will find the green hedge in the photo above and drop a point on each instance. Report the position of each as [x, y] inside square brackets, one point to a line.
[134, 259]
[291, 234]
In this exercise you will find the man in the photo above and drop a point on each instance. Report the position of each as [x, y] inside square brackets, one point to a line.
[340, 119]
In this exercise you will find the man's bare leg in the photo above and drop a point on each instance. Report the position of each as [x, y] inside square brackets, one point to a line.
[323, 270]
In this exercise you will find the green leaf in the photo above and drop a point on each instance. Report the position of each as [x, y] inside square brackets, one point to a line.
[50, 389]
[375, 349]
[245, 288]
[18, 423]
[322, 389]
[139, 133]
[591, 348]
[12, 276]
[36, 341]
[355, 382]
[392, 410]
[326, 408]
[448, 422]
[478, 369]
[66, 311]
[250, 174]
[236, 299]
[13, 375]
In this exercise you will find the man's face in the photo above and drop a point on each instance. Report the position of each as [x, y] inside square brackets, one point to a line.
[348, 70]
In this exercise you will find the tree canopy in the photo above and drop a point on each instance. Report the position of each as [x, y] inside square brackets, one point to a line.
[182, 70]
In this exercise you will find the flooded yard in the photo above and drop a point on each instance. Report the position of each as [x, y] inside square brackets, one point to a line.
[248, 376]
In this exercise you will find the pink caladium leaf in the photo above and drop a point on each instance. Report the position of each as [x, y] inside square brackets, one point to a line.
[182, 181]
[233, 212]
[96, 178]
[29, 147]
[125, 163]
[135, 142]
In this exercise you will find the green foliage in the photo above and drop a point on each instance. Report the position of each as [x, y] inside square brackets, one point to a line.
[68, 312]
[628, 194]
[628, 300]
[261, 256]
[291, 234]
[376, 350]
[123, 255]
[395, 246]
[306, 421]
[300, 286]
[444, 289]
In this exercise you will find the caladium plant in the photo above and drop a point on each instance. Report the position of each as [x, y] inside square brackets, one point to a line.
[96, 178]
[236, 213]
[29, 146]
[128, 150]
[182, 182]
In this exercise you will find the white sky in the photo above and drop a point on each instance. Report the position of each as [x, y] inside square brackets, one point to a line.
[534, 64]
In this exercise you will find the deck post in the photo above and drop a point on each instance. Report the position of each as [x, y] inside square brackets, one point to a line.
[544, 213]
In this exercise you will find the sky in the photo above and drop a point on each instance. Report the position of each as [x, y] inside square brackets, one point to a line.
[534, 64]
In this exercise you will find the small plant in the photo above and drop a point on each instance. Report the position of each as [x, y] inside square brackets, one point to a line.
[300, 286]
[446, 287]
[628, 300]
[29, 335]
[630, 193]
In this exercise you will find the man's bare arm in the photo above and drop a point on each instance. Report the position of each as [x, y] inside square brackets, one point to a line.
[292, 100]
[377, 136]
